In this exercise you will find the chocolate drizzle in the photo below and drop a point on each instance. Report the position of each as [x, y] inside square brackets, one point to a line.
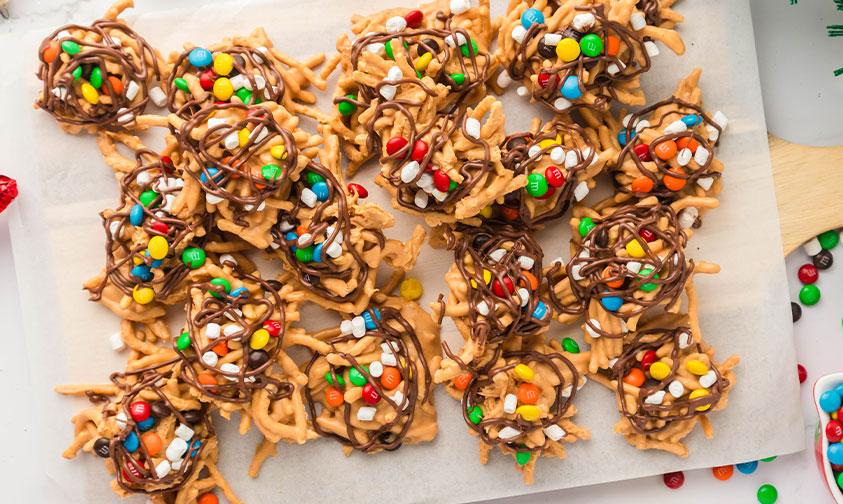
[662, 167]
[516, 157]
[333, 212]
[247, 61]
[240, 178]
[126, 58]
[393, 329]
[602, 84]
[236, 387]
[478, 245]
[651, 11]
[125, 243]
[596, 263]
[137, 475]
[654, 418]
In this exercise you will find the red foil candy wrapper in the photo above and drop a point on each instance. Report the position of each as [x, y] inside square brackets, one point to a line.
[8, 191]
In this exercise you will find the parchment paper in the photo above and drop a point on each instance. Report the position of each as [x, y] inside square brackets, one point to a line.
[58, 242]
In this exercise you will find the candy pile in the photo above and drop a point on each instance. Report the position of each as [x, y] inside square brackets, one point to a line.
[819, 249]
[240, 177]
[830, 402]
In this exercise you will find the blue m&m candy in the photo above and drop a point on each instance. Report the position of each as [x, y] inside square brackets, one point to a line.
[839, 390]
[835, 453]
[691, 120]
[540, 310]
[131, 442]
[317, 253]
[143, 272]
[136, 215]
[147, 424]
[571, 88]
[747, 467]
[291, 236]
[200, 57]
[321, 190]
[240, 292]
[213, 172]
[611, 303]
[156, 263]
[531, 17]
[622, 137]
[367, 318]
[830, 401]
[195, 446]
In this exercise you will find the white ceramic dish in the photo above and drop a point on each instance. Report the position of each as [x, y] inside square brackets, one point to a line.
[824, 383]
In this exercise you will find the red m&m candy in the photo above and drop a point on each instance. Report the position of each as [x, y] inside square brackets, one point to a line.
[358, 189]
[441, 180]
[648, 235]
[674, 479]
[160, 227]
[808, 274]
[803, 374]
[554, 176]
[395, 144]
[370, 395]
[206, 80]
[648, 359]
[139, 411]
[414, 18]
[498, 290]
[834, 431]
[273, 327]
[419, 150]
[544, 78]
[643, 152]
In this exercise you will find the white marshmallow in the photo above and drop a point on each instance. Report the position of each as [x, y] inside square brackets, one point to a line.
[120, 419]
[389, 359]
[334, 250]
[655, 397]
[388, 91]
[637, 21]
[232, 329]
[308, 197]
[366, 414]
[720, 119]
[713, 134]
[708, 379]
[460, 6]
[212, 331]
[210, 358]
[184, 431]
[396, 24]
[522, 91]
[177, 448]
[231, 368]
[674, 127]
[116, 342]
[504, 79]
[701, 156]
[410, 171]
[581, 191]
[177, 464]
[483, 308]
[590, 327]
[497, 254]
[554, 432]
[526, 262]
[686, 339]
[420, 199]
[460, 40]
[552, 39]
[394, 74]
[583, 21]
[376, 48]
[510, 402]
[508, 433]
[210, 198]
[524, 295]
[571, 159]
[132, 90]
[676, 389]
[705, 182]
[304, 240]
[615, 68]
[358, 327]
[626, 120]
[345, 327]
[684, 157]
[561, 104]
[534, 151]
[439, 195]
[651, 48]
[376, 369]
[640, 125]
[633, 266]
[687, 217]
[518, 33]
[557, 155]
[472, 127]
[163, 468]
[231, 141]
[398, 398]
[239, 81]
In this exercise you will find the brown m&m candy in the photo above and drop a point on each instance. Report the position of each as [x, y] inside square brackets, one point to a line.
[823, 260]
[101, 447]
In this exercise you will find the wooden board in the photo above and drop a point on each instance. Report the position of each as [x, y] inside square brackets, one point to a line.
[809, 190]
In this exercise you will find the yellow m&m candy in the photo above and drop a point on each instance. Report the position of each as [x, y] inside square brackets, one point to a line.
[243, 136]
[524, 372]
[143, 295]
[90, 94]
[487, 277]
[568, 49]
[659, 371]
[223, 64]
[278, 152]
[423, 61]
[223, 89]
[410, 289]
[528, 412]
[634, 249]
[158, 247]
[259, 339]
[696, 367]
[547, 142]
[699, 393]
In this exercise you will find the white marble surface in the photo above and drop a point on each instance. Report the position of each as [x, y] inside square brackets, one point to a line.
[818, 337]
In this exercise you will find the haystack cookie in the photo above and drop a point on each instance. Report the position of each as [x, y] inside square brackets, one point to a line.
[246, 70]
[98, 76]
[370, 381]
[666, 382]
[451, 169]
[157, 439]
[666, 149]
[571, 56]
[244, 159]
[399, 51]
[560, 160]
[494, 288]
[152, 251]
[331, 243]
[520, 401]
[624, 261]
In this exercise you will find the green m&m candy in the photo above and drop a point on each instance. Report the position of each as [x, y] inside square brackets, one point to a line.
[181, 84]
[96, 77]
[147, 197]
[586, 224]
[183, 342]
[522, 457]
[330, 380]
[464, 48]
[809, 294]
[270, 171]
[570, 345]
[458, 78]
[70, 47]
[244, 94]
[591, 45]
[313, 177]
[347, 108]
[193, 257]
[387, 46]
[648, 287]
[767, 494]
[475, 414]
[769, 459]
[453, 185]
[305, 254]
[357, 377]
[220, 281]
[828, 240]
[76, 73]
[536, 185]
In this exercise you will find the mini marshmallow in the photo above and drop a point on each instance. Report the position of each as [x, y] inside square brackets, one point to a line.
[185, 432]
[142, 179]
[651, 48]
[561, 104]
[232, 329]
[177, 448]
[125, 118]
[524, 295]
[633, 266]
[674, 127]
[508, 433]
[708, 379]
[439, 195]
[388, 91]
[64, 34]
[522, 91]
[504, 79]
[394, 74]
[567, 391]
[426, 180]
[552, 39]
[232, 368]
[705, 182]
[701, 156]
[132, 90]
[460, 6]
[239, 81]
[591, 327]
[230, 314]
[120, 419]
[557, 155]
[334, 250]
[376, 369]
[460, 40]
[581, 191]
[472, 127]
[162, 469]
[655, 397]
[720, 119]
[676, 389]
[396, 24]
[304, 239]
[534, 150]
[177, 464]
[231, 141]
[713, 134]
[358, 327]
[410, 171]
[583, 21]
[685, 340]
[259, 133]
[575, 272]
[615, 68]
[526, 262]
[210, 198]
[212, 330]
[376, 48]
[571, 159]
[345, 327]
[366, 414]
[497, 254]
[625, 120]
[398, 398]
[637, 21]
[483, 308]
[389, 359]
[518, 33]
[640, 125]
[309, 197]
[554, 432]
[510, 402]
[684, 157]
[116, 342]
[687, 217]
[210, 358]
[420, 199]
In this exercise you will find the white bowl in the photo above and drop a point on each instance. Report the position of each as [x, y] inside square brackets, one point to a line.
[823, 384]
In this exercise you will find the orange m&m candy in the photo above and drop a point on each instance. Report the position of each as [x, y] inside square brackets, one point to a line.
[509, 213]
[334, 397]
[610, 272]
[221, 349]
[534, 282]
[51, 51]
[674, 183]
[390, 378]
[642, 184]
[207, 379]
[723, 472]
[116, 83]
[635, 377]
[666, 149]
[528, 393]
[152, 442]
[688, 142]
[300, 230]
[613, 45]
[461, 381]
[207, 498]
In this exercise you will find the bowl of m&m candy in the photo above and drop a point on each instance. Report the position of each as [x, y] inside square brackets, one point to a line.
[828, 442]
